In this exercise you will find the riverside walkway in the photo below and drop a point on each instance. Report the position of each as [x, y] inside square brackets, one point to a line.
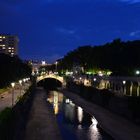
[118, 127]
[42, 123]
[6, 97]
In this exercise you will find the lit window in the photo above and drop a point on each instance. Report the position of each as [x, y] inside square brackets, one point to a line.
[3, 48]
[0, 36]
[9, 48]
[0, 39]
[3, 45]
[3, 36]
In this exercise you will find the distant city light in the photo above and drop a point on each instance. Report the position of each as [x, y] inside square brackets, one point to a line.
[94, 79]
[109, 73]
[100, 73]
[43, 63]
[69, 73]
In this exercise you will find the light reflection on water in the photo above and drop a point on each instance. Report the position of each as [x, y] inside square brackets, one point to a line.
[74, 122]
[80, 114]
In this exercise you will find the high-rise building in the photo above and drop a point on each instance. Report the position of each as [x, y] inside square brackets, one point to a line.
[9, 44]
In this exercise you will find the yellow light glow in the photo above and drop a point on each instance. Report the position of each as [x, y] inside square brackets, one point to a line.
[56, 109]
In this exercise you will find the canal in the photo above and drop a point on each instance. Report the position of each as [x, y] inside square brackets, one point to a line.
[73, 121]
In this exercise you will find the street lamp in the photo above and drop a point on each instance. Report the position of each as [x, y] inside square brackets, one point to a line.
[20, 82]
[137, 72]
[24, 80]
[24, 84]
[94, 83]
[56, 65]
[13, 85]
[124, 87]
[124, 82]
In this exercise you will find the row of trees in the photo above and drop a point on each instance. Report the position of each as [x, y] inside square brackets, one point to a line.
[12, 69]
[122, 58]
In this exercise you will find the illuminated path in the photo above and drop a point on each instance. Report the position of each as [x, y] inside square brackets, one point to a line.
[6, 98]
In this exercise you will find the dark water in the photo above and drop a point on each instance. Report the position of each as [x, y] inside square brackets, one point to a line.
[74, 122]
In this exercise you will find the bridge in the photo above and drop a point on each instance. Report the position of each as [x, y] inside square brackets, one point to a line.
[53, 76]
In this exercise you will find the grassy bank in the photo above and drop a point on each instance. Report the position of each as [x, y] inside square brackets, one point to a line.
[13, 120]
[2, 90]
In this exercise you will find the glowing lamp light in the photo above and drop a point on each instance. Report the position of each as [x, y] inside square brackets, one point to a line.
[12, 84]
[94, 79]
[100, 73]
[124, 82]
[137, 72]
[43, 62]
[24, 80]
[20, 82]
[56, 62]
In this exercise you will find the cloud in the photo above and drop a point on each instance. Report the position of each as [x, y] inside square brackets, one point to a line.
[131, 1]
[65, 31]
[135, 33]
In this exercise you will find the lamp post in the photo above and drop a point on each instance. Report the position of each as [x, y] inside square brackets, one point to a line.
[24, 86]
[13, 85]
[20, 82]
[124, 87]
[56, 65]
[94, 82]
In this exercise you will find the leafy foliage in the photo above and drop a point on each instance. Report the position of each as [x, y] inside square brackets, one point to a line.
[120, 57]
[12, 69]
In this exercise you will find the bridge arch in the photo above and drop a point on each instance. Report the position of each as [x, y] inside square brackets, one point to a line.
[53, 76]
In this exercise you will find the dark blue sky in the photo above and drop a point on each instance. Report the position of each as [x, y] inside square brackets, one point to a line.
[48, 29]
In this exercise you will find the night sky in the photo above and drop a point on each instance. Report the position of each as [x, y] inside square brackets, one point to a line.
[48, 29]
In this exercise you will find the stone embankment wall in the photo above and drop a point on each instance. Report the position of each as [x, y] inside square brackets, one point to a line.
[126, 106]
